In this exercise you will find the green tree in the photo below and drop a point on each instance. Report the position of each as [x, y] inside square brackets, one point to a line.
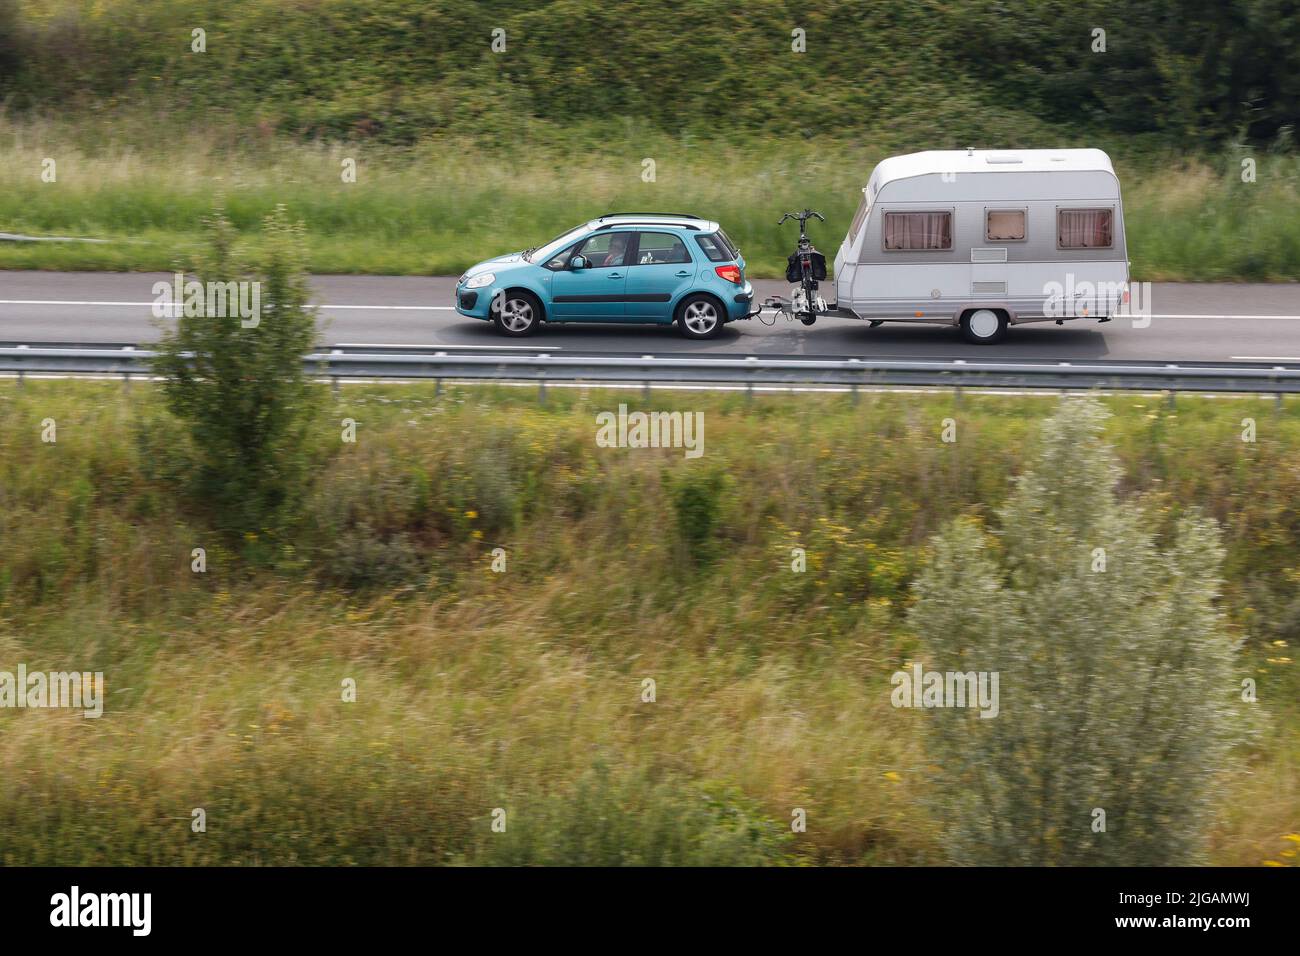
[240, 384]
[1117, 687]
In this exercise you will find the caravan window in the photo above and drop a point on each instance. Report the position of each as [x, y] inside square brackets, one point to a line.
[918, 230]
[1084, 229]
[1004, 225]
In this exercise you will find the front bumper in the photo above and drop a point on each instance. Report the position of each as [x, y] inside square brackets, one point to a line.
[474, 303]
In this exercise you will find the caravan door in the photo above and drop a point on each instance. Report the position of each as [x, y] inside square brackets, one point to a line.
[1001, 225]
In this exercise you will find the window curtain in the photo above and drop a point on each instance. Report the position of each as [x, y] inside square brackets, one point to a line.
[1084, 228]
[1005, 226]
[918, 230]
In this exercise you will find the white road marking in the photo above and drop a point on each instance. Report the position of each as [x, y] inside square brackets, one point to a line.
[451, 308]
[405, 345]
[396, 308]
[400, 308]
[66, 302]
[1264, 358]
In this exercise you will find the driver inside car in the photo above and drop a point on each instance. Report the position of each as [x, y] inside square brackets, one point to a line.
[617, 249]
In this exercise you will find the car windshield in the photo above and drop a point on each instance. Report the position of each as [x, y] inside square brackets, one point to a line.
[543, 252]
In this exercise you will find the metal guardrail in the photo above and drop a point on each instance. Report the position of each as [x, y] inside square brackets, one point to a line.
[358, 362]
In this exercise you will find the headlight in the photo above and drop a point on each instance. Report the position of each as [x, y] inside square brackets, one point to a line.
[479, 281]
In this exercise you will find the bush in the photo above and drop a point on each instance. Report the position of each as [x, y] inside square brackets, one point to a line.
[242, 389]
[1116, 679]
[698, 497]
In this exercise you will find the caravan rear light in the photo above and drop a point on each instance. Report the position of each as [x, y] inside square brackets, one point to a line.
[730, 273]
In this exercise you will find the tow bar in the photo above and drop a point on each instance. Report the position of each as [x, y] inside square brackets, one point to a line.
[793, 309]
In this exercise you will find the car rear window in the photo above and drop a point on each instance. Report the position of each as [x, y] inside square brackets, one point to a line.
[717, 246]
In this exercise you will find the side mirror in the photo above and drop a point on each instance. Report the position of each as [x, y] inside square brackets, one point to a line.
[578, 262]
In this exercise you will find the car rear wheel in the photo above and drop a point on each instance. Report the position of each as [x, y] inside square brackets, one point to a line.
[984, 326]
[699, 317]
[516, 313]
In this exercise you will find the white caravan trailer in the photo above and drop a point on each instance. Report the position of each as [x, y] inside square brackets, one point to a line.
[984, 239]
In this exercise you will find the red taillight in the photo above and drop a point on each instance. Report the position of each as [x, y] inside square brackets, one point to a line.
[730, 273]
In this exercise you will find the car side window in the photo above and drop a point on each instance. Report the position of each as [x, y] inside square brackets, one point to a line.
[713, 248]
[605, 249]
[661, 248]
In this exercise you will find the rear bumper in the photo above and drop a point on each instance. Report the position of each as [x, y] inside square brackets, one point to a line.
[741, 304]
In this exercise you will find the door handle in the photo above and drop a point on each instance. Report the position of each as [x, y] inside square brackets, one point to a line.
[682, 275]
[614, 275]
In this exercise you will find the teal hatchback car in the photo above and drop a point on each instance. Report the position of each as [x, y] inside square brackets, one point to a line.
[654, 268]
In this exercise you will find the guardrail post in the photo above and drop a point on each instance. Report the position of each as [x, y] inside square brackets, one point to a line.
[541, 390]
[334, 385]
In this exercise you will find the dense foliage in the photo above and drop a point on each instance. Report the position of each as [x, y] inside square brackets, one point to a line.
[238, 382]
[1118, 698]
[948, 71]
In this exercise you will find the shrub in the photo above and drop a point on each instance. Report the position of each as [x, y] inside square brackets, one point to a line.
[697, 497]
[243, 391]
[1116, 680]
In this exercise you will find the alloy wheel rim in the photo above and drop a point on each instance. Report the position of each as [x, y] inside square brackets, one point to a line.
[701, 317]
[516, 315]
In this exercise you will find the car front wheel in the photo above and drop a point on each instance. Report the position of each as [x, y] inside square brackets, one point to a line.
[516, 313]
[699, 317]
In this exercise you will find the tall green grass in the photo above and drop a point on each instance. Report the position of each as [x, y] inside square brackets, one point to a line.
[523, 691]
[438, 207]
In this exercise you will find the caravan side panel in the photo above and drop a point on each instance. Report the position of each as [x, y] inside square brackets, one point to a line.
[1031, 277]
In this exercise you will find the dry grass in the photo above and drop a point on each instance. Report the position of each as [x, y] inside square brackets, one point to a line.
[523, 690]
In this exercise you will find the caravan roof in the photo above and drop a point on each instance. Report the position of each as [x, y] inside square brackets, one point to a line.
[991, 161]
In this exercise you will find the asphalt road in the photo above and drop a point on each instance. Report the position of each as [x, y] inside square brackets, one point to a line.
[1190, 322]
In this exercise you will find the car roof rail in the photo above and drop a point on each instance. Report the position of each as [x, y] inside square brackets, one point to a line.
[666, 215]
[649, 222]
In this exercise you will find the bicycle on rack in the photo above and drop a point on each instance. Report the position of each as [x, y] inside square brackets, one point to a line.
[807, 267]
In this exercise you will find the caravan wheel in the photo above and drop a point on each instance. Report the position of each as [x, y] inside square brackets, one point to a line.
[984, 326]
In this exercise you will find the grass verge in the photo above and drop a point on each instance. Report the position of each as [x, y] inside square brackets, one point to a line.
[438, 207]
[523, 690]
